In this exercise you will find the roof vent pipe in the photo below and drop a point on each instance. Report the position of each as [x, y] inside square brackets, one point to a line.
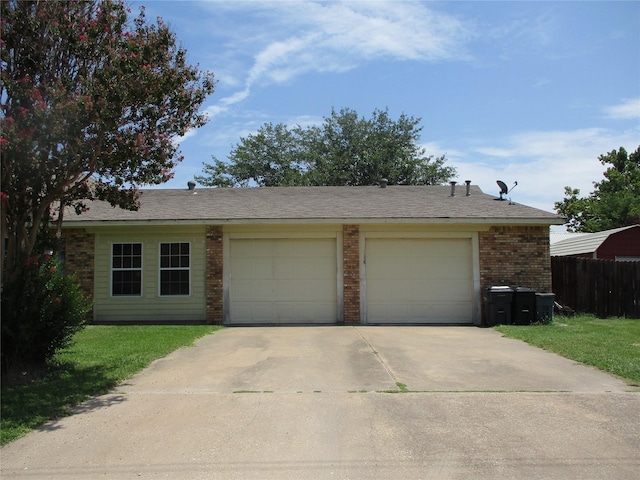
[468, 183]
[383, 183]
[191, 185]
[453, 188]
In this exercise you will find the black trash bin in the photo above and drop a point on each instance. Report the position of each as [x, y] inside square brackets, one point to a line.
[524, 306]
[497, 302]
[544, 307]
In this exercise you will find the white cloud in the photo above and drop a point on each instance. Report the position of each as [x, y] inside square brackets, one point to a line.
[542, 162]
[295, 38]
[627, 110]
[494, 152]
[189, 133]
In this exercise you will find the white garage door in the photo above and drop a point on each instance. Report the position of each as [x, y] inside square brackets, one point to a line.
[283, 281]
[419, 281]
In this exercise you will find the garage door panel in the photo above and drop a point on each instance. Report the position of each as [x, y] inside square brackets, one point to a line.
[283, 281]
[419, 280]
[302, 268]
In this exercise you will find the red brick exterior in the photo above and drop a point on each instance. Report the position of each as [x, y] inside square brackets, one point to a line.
[80, 257]
[516, 256]
[214, 291]
[351, 273]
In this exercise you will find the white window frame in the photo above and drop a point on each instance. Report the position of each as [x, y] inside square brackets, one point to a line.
[118, 269]
[180, 268]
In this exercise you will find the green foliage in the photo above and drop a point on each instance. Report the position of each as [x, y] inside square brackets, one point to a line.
[42, 310]
[91, 106]
[612, 345]
[345, 150]
[99, 358]
[614, 202]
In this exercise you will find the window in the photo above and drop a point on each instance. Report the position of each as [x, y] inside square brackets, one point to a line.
[126, 269]
[174, 268]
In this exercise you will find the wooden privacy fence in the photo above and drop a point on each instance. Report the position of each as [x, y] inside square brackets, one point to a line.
[605, 288]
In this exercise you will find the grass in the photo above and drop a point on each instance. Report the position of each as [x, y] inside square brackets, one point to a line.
[100, 358]
[612, 345]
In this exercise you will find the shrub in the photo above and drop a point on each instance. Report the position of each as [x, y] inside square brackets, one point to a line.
[42, 309]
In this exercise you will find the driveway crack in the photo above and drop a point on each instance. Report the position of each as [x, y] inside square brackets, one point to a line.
[380, 360]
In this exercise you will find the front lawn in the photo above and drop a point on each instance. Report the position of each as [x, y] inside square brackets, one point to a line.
[100, 358]
[612, 345]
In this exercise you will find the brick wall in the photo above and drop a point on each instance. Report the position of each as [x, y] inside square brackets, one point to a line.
[214, 275]
[351, 271]
[79, 258]
[516, 256]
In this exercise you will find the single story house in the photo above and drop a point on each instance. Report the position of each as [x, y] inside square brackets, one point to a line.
[620, 244]
[324, 255]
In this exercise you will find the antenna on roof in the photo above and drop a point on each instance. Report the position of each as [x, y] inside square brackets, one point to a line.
[504, 189]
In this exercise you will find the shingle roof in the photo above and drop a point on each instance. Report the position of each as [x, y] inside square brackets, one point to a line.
[432, 203]
[585, 243]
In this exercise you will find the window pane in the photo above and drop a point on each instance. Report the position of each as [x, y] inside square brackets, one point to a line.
[174, 282]
[164, 249]
[126, 282]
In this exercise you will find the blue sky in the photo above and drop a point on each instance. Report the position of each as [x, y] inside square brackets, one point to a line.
[531, 92]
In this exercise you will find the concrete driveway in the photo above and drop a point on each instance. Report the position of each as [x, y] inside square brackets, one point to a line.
[347, 403]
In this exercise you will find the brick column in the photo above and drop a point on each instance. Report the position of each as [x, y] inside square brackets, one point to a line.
[79, 258]
[351, 271]
[213, 274]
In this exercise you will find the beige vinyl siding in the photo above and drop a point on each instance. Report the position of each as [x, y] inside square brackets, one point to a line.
[150, 306]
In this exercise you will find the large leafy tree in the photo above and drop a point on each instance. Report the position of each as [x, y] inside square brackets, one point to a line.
[92, 101]
[614, 202]
[344, 150]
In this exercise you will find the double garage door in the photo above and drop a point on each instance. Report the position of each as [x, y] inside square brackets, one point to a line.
[296, 281]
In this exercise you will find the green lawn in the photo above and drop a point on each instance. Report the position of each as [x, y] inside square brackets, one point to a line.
[101, 357]
[612, 345]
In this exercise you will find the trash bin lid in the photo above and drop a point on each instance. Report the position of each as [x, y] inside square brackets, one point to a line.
[500, 288]
[524, 290]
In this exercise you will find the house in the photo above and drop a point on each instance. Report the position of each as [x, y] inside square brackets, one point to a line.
[327, 255]
[620, 244]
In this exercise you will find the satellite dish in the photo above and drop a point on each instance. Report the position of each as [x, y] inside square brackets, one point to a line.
[504, 189]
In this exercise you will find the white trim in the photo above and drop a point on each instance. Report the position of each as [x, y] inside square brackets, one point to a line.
[340, 277]
[534, 221]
